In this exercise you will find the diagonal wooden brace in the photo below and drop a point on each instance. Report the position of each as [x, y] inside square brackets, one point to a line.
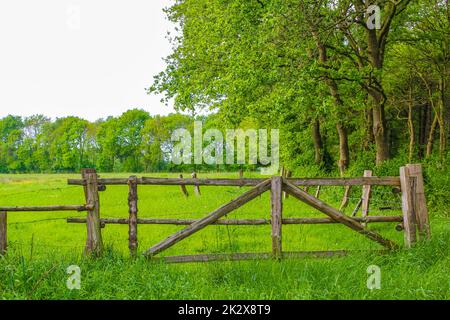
[209, 219]
[335, 214]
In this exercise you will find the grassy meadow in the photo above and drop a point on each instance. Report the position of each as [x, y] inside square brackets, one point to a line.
[42, 245]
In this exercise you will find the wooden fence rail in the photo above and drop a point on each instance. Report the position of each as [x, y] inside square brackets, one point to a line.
[358, 181]
[414, 218]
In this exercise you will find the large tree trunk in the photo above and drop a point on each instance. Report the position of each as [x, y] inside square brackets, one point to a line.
[410, 126]
[431, 136]
[318, 143]
[343, 161]
[343, 148]
[379, 130]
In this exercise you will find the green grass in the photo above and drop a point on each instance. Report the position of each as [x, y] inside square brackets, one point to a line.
[43, 245]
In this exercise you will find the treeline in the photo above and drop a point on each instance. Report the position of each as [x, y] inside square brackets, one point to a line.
[133, 142]
[341, 85]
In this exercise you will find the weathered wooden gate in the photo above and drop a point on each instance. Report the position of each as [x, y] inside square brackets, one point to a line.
[415, 214]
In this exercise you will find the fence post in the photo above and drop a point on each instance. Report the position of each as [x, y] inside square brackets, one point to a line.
[276, 215]
[132, 210]
[3, 233]
[183, 187]
[196, 187]
[94, 242]
[420, 204]
[367, 190]
[408, 195]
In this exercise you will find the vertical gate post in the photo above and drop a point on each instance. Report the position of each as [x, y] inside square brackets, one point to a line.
[408, 198]
[94, 242]
[420, 204]
[3, 233]
[276, 215]
[132, 220]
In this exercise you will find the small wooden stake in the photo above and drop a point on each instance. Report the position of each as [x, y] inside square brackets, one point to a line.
[409, 220]
[132, 210]
[183, 188]
[94, 242]
[420, 203]
[345, 198]
[366, 193]
[3, 233]
[317, 195]
[196, 187]
[276, 215]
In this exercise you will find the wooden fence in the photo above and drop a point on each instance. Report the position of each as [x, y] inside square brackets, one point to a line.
[413, 221]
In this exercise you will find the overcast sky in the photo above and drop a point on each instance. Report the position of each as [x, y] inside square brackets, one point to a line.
[89, 58]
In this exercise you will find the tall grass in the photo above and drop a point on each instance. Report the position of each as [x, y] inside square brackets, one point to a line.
[41, 249]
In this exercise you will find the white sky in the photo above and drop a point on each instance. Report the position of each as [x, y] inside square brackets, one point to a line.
[98, 63]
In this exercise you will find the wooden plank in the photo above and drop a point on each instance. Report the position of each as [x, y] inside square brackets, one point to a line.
[183, 188]
[420, 203]
[3, 233]
[366, 193]
[336, 215]
[276, 215]
[212, 217]
[196, 187]
[132, 211]
[47, 208]
[409, 219]
[382, 181]
[247, 256]
[242, 222]
[94, 242]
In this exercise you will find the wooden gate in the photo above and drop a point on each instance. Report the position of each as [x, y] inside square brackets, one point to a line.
[410, 182]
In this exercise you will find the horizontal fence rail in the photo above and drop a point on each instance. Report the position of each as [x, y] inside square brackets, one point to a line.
[242, 222]
[81, 207]
[358, 181]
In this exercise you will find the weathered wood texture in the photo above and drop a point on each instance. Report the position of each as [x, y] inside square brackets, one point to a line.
[242, 222]
[94, 242]
[317, 194]
[420, 203]
[366, 193]
[345, 198]
[356, 209]
[276, 214]
[336, 214]
[382, 181]
[183, 188]
[247, 256]
[409, 219]
[209, 219]
[3, 232]
[288, 175]
[81, 207]
[132, 211]
[196, 187]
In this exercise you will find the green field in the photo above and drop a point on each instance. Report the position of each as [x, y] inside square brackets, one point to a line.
[42, 245]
